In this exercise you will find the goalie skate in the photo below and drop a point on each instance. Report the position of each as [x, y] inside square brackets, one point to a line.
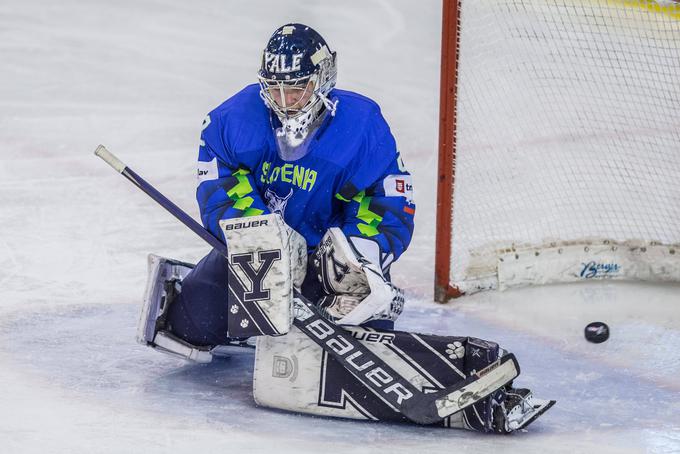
[518, 410]
[164, 282]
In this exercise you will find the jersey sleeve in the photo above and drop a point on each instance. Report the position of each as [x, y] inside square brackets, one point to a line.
[378, 198]
[226, 187]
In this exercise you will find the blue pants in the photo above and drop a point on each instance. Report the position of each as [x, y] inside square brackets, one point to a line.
[199, 314]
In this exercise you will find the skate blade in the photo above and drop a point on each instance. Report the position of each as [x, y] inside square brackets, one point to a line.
[538, 411]
[148, 315]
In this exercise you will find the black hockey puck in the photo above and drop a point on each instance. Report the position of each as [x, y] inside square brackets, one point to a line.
[597, 332]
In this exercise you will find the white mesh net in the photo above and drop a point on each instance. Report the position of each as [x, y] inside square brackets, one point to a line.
[568, 127]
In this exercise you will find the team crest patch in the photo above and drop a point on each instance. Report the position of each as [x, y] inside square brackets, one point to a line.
[275, 203]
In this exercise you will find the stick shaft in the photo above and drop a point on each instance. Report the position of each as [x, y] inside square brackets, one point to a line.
[163, 201]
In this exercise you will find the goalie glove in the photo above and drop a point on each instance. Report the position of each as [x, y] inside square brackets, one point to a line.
[357, 289]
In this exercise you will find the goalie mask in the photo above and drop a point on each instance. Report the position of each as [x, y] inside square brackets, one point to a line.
[298, 72]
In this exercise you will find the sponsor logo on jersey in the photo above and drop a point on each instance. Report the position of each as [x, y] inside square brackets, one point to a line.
[302, 177]
[399, 186]
[206, 171]
[594, 269]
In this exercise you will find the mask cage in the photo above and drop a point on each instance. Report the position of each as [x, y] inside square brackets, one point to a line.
[274, 93]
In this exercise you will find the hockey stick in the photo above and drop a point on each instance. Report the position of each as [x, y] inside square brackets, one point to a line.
[366, 366]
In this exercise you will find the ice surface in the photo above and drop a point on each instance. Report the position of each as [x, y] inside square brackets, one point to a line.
[139, 76]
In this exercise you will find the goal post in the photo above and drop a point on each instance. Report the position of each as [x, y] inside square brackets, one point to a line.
[447, 149]
[559, 143]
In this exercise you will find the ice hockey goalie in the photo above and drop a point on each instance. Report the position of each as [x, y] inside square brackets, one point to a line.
[266, 262]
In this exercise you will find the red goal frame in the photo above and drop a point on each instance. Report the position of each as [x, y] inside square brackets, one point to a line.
[443, 290]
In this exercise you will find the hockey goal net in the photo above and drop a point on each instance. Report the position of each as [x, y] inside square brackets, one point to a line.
[559, 153]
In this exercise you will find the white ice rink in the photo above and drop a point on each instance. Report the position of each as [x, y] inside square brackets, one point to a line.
[139, 76]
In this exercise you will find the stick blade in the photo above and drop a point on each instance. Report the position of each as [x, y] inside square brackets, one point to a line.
[446, 402]
[486, 382]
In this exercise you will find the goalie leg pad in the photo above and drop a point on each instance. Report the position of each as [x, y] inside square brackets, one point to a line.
[222, 300]
[293, 373]
[267, 259]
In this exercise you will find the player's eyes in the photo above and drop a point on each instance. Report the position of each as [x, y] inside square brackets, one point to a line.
[299, 84]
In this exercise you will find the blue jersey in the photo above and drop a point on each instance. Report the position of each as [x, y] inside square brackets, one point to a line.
[352, 176]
